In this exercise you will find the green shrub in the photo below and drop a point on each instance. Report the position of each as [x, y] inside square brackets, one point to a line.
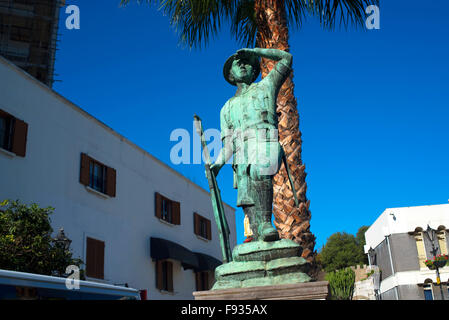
[341, 284]
[26, 244]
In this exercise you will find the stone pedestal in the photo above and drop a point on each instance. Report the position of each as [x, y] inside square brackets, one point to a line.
[298, 291]
[265, 271]
[263, 264]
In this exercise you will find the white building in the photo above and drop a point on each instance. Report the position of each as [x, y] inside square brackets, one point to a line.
[400, 247]
[109, 195]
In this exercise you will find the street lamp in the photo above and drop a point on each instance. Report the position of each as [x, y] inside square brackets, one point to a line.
[62, 240]
[431, 235]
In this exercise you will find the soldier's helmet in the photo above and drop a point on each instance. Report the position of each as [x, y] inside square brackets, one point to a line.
[253, 61]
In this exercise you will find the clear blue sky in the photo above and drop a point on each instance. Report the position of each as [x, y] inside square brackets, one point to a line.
[374, 105]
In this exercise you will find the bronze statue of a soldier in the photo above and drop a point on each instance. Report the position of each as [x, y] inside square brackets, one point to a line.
[249, 124]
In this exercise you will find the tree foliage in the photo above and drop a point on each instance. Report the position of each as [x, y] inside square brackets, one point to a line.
[25, 241]
[360, 236]
[197, 21]
[343, 250]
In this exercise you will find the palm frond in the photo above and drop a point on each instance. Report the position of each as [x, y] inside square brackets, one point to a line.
[196, 21]
[243, 25]
[297, 11]
[125, 2]
[341, 12]
[200, 20]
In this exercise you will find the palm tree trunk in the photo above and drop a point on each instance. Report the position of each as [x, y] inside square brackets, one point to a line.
[291, 222]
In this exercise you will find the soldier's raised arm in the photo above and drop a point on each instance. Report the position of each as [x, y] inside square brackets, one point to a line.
[282, 69]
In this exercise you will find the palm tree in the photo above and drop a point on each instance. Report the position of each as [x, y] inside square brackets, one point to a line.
[265, 24]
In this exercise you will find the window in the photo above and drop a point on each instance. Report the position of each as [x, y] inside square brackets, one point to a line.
[6, 125]
[97, 176]
[202, 281]
[428, 295]
[202, 226]
[94, 258]
[164, 275]
[167, 210]
[13, 134]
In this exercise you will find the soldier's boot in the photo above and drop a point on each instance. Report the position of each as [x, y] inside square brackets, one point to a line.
[265, 231]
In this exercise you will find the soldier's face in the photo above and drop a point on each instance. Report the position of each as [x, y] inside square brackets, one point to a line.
[242, 71]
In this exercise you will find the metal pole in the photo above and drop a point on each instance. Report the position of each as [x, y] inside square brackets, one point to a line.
[434, 251]
[439, 283]
[392, 267]
[438, 273]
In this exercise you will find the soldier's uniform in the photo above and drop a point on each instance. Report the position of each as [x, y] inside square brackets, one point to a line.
[249, 126]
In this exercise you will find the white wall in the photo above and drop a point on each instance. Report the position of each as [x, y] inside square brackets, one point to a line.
[58, 131]
[406, 219]
[364, 290]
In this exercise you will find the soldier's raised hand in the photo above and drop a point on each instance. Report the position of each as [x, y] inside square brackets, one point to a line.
[245, 52]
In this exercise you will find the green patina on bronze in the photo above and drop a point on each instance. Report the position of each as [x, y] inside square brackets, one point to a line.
[249, 132]
[217, 203]
[262, 263]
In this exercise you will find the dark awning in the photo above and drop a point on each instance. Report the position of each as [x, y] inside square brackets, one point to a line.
[206, 262]
[161, 249]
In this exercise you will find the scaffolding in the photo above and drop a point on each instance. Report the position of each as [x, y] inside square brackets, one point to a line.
[29, 35]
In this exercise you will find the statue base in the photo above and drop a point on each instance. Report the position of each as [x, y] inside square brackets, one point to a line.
[298, 291]
[265, 270]
[261, 263]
